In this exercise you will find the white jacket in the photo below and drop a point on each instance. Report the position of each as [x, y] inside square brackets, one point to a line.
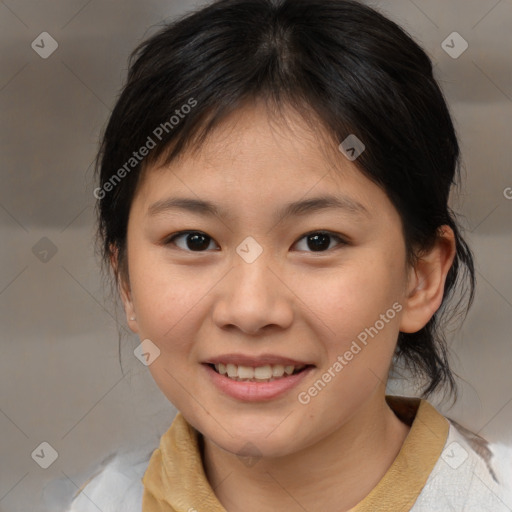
[465, 488]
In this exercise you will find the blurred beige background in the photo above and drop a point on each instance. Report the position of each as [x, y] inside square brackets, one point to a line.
[60, 379]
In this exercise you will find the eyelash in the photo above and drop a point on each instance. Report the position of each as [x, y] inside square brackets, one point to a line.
[341, 241]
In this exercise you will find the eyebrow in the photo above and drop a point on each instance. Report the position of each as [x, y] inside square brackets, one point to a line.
[297, 208]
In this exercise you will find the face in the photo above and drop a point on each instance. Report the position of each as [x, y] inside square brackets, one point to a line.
[258, 287]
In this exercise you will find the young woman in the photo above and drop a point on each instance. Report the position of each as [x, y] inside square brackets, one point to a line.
[273, 202]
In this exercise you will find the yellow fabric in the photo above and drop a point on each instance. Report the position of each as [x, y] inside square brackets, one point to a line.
[175, 480]
[400, 486]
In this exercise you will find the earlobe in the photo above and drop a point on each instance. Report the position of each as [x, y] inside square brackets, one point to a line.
[426, 282]
[124, 292]
[129, 310]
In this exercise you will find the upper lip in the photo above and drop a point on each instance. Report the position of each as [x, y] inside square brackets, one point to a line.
[255, 361]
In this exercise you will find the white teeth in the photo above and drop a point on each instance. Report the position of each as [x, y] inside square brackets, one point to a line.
[260, 373]
[277, 370]
[245, 372]
[263, 372]
[232, 370]
[289, 369]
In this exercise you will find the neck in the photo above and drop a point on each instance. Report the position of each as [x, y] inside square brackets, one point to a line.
[332, 475]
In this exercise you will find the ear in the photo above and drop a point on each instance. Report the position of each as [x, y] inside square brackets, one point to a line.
[426, 282]
[124, 290]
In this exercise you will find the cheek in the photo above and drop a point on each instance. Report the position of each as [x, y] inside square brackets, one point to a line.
[164, 299]
[360, 307]
[161, 292]
[348, 299]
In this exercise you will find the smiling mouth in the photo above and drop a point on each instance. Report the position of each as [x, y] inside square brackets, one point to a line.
[266, 373]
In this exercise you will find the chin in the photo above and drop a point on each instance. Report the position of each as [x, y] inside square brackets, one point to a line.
[256, 437]
[256, 447]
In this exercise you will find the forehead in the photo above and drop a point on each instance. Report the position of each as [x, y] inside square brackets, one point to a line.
[256, 127]
[261, 148]
[258, 170]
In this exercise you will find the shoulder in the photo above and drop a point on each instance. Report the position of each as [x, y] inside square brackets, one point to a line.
[471, 474]
[116, 486]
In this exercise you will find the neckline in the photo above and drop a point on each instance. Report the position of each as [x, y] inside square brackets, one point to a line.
[179, 459]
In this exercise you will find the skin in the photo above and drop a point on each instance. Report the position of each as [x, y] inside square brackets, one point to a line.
[291, 301]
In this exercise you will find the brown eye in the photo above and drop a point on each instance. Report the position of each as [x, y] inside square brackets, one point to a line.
[195, 241]
[320, 241]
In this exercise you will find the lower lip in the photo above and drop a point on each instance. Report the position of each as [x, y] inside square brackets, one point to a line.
[256, 391]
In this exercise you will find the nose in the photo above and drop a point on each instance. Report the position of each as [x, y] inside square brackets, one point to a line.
[253, 298]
